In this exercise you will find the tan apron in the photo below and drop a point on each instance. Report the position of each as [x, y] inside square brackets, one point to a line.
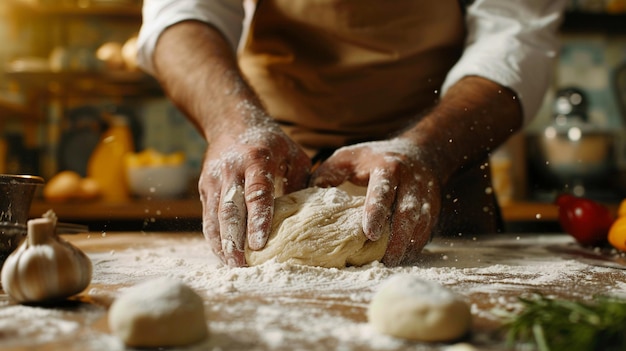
[337, 72]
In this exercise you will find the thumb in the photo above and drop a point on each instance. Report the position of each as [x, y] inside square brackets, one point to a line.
[328, 173]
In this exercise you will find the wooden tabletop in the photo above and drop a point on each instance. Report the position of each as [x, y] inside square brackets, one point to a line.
[285, 307]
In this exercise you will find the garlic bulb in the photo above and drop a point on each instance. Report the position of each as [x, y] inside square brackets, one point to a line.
[45, 267]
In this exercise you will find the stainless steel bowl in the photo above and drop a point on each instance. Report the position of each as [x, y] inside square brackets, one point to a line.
[572, 155]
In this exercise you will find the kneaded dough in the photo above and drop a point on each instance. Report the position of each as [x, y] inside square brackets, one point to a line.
[408, 307]
[158, 313]
[320, 227]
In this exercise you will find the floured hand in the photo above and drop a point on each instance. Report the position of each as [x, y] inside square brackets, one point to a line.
[242, 173]
[403, 192]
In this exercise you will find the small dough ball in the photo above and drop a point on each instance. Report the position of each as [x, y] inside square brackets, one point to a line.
[408, 307]
[158, 313]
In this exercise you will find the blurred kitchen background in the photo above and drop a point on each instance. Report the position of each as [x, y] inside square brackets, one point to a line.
[69, 74]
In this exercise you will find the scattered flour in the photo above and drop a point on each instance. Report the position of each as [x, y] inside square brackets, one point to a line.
[29, 322]
[277, 306]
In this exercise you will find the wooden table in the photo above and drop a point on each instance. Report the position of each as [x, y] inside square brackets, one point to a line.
[285, 307]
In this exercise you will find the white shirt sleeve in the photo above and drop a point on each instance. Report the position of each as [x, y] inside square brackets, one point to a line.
[225, 15]
[513, 43]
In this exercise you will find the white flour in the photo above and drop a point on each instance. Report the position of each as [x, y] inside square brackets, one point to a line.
[281, 306]
[21, 322]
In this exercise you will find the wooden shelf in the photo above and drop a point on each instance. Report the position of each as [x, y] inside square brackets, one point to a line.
[529, 211]
[192, 209]
[102, 83]
[90, 8]
[522, 211]
[131, 210]
[9, 109]
[186, 215]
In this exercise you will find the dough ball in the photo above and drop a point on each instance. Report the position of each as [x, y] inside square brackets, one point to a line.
[320, 227]
[408, 307]
[158, 313]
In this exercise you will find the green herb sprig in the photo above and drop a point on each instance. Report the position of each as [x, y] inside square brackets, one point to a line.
[556, 324]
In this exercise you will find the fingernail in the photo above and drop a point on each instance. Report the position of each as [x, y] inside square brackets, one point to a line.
[257, 240]
[372, 232]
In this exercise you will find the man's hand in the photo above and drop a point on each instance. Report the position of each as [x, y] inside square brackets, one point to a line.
[403, 193]
[247, 153]
[406, 176]
[198, 70]
[242, 174]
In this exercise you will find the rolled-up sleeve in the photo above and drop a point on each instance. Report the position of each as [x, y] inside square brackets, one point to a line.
[513, 43]
[225, 15]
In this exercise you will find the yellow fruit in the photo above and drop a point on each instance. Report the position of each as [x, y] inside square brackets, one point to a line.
[151, 158]
[617, 234]
[89, 189]
[62, 187]
[175, 159]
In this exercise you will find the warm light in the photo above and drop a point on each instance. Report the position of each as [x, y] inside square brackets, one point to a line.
[550, 132]
[574, 134]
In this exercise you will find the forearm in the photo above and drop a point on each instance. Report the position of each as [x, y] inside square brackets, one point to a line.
[472, 119]
[198, 70]
[508, 42]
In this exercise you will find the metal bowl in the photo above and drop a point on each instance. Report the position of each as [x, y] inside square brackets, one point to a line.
[16, 196]
[573, 154]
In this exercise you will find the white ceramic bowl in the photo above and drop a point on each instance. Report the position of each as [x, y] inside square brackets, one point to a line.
[158, 181]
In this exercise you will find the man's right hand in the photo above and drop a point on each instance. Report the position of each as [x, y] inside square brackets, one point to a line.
[248, 154]
[242, 173]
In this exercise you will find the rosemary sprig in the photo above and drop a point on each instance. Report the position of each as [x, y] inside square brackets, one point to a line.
[556, 324]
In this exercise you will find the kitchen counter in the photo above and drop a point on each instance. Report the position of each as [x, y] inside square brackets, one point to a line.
[286, 307]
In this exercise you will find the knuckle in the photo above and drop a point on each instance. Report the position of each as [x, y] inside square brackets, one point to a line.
[229, 212]
[206, 186]
[259, 189]
[258, 154]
